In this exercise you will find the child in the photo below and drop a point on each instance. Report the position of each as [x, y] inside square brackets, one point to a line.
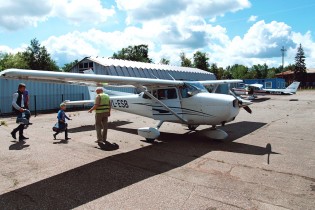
[62, 125]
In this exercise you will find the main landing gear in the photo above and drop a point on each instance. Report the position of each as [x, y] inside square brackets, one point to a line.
[192, 127]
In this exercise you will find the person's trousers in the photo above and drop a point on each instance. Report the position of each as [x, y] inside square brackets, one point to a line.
[63, 127]
[20, 128]
[66, 133]
[101, 125]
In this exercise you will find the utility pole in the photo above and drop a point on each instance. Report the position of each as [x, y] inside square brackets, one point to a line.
[282, 52]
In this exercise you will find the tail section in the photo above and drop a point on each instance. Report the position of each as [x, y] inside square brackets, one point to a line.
[293, 87]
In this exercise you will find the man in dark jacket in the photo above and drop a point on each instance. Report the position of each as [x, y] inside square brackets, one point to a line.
[23, 115]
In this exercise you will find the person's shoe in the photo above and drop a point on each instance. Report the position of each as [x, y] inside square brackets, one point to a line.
[13, 135]
[68, 138]
[54, 136]
[30, 123]
[22, 138]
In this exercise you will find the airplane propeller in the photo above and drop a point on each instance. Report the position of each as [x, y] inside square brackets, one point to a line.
[242, 102]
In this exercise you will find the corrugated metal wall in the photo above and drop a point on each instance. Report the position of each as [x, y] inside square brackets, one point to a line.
[142, 70]
[46, 95]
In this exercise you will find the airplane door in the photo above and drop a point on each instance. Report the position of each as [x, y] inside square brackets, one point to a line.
[169, 96]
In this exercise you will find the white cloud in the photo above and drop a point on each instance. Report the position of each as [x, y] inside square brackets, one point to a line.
[18, 14]
[252, 18]
[77, 45]
[261, 44]
[262, 40]
[308, 45]
[23, 13]
[142, 10]
[7, 49]
[78, 11]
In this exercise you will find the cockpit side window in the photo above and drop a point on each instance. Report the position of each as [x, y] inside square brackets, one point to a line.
[191, 88]
[162, 94]
[184, 91]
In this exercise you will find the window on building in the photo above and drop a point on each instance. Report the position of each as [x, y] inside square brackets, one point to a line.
[268, 85]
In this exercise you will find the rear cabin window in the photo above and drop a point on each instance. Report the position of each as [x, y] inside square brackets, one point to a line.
[163, 94]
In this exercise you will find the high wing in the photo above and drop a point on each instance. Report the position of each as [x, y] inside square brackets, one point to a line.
[220, 82]
[95, 79]
[255, 85]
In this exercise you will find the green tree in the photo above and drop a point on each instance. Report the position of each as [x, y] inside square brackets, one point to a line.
[67, 67]
[12, 61]
[37, 57]
[300, 68]
[238, 71]
[258, 72]
[165, 61]
[201, 61]
[290, 67]
[134, 53]
[272, 72]
[185, 62]
[214, 69]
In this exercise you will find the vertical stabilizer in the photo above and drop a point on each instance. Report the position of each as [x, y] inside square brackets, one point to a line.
[293, 87]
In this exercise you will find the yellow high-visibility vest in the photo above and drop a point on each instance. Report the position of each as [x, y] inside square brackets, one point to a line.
[104, 106]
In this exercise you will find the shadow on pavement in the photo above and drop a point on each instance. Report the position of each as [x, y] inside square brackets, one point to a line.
[88, 182]
[258, 100]
[84, 128]
[108, 146]
[19, 145]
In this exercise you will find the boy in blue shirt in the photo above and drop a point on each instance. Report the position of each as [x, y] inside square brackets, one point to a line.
[62, 125]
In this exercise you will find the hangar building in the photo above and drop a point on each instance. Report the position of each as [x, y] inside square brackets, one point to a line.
[108, 66]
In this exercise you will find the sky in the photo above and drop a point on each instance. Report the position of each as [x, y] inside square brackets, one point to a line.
[247, 32]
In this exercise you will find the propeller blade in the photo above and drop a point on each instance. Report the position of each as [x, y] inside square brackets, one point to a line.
[242, 103]
[247, 109]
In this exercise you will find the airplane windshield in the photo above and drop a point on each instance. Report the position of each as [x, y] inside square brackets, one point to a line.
[192, 88]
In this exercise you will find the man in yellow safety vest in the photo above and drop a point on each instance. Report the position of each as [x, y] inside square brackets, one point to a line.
[102, 109]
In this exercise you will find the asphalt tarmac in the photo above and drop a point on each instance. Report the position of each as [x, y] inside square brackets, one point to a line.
[267, 162]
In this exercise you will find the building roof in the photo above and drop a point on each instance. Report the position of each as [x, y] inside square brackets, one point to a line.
[309, 71]
[285, 73]
[134, 64]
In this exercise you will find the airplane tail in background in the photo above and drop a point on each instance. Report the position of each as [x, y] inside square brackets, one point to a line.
[293, 87]
[107, 91]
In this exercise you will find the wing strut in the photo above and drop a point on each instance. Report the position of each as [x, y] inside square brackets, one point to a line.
[160, 102]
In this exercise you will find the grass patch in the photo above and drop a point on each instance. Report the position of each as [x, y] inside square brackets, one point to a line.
[2, 122]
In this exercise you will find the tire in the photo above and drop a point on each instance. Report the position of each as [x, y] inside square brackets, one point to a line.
[192, 127]
[150, 140]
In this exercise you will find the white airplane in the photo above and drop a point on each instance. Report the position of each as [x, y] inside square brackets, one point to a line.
[186, 102]
[290, 90]
[249, 89]
[256, 89]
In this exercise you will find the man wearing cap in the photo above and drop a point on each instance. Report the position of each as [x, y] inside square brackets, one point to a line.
[23, 115]
[102, 112]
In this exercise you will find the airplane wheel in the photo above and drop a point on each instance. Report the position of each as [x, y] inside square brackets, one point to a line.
[150, 140]
[192, 127]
